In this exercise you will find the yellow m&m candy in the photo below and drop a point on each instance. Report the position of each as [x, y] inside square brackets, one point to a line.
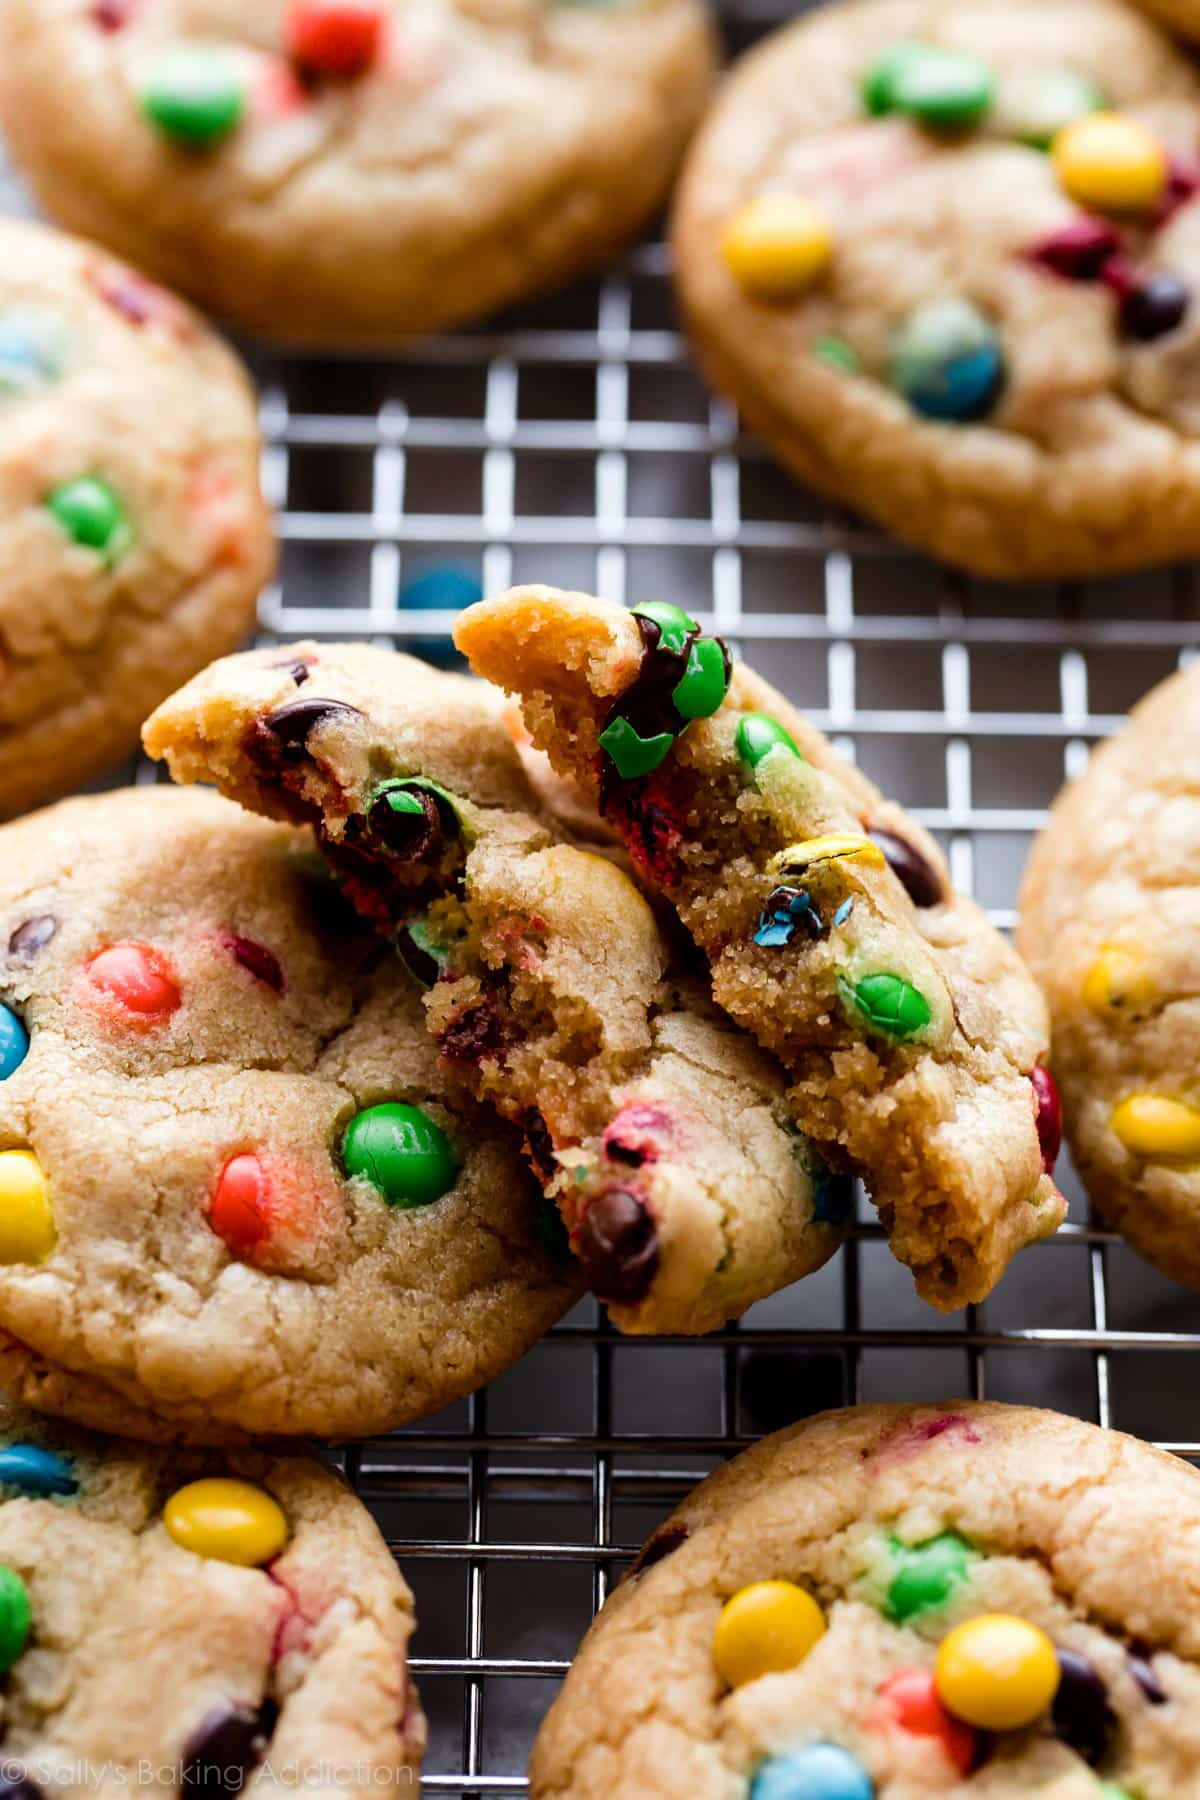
[1110, 161]
[27, 1233]
[777, 245]
[1156, 1127]
[997, 1672]
[764, 1629]
[1118, 978]
[232, 1521]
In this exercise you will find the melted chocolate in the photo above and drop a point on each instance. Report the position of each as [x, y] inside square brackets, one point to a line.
[282, 736]
[539, 1145]
[617, 1246]
[413, 836]
[1142, 1671]
[226, 1745]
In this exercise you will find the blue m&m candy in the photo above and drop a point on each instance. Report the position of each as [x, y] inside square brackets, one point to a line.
[818, 1772]
[14, 1042]
[30, 352]
[947, 362]
[31, 1470]
[440, 587]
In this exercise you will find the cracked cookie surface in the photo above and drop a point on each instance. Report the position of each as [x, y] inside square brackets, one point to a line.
[236, 1193]
[310, 177]
[899, 1546]
[1110, 925]
[149, 1642]
[911, 1033]
[944, 256]
[554, 994]
[133, 536]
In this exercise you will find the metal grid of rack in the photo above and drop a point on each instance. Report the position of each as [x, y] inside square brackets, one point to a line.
[573, 442]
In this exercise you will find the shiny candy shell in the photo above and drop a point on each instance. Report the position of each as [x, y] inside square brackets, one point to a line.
[334, 37]
[195, 97]
[997, 1672]
[947, 362]
[1119, 979]
[91, 515]
[764, 1628]
[909, 1701]
[674, 625]
[926, 1576]
[1111, 161]
[27, 1233]
[888, 1003]
[797, 859]
[14, 1042]
[1158, 1128]
[402, 1152]
[240, 1209]
[15, 1617]
[138, 978]
[31, 1469]
[630, 754]
[758, 734]
[230, 1521]
[944, 90]
[777, 245]
[817, 1772]
[704, 682]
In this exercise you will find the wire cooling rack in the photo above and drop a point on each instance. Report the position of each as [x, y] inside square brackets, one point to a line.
[573, 442]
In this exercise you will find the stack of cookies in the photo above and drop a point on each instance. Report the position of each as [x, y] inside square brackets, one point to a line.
[323, 1095]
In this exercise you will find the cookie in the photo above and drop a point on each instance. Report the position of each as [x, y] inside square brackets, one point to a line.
[322, 171]
[554, 995]
[1110, 925]
[1180, 15]
[899, 1602]
[911, 1032]
[189, 1624]
[133, 536]
[236, 1193]
[943, 254]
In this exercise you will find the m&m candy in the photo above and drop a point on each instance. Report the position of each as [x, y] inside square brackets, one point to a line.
[195, 97]
[230, 1521]
[138, 978]
[777, 245]
[27, 1233]
[31, 1469]
[1049, 1115]
[90, 514]
[925, 1576]
[817, 1772]
[758, 734]
[947, 362]
[334, 37]
[944, 90]
[1110, 161]
[909, 1702]
[14, 1042]
[997, 1672]
[402, 1152]
[769, 1626]
[15, 1616]
[1157, 1127]
[1035, 104]
[240, 1209]
[888, 1003]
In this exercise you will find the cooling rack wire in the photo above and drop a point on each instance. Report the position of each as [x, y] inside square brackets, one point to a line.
[572, 442]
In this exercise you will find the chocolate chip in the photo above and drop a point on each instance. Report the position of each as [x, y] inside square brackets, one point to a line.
[1142, 1671]
[287, 729]
[227, 1744]
[657, 1548]
[1081, 1714]
[31, 937]
[539, 1145]
[20, 1787]
[1154, 307]
[300, 673]
[920, 881]
[617, 1245]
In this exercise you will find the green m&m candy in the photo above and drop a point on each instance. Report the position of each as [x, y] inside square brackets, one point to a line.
[926, 1575]
[944, 90]
[401, 1151]
[704, 683]
[758, 734]
[888, 1002]
[14, 1617]
[194, 97]
[673, 623]
[1034, 105]
[879, 82]
[92, 516]
[632, 755]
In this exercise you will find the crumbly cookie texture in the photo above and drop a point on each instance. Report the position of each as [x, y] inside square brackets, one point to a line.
[944, 255]
[169, 1615]
[133, 536]
[312, 176]
[554, 995]
[911, 1032]
[237, 1194]
[1110, 925]
[976, 1601]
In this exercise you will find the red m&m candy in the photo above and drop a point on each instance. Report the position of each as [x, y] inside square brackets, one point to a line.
[240, 1209]
[138, 978]
[908, 1701]
[334, 37]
